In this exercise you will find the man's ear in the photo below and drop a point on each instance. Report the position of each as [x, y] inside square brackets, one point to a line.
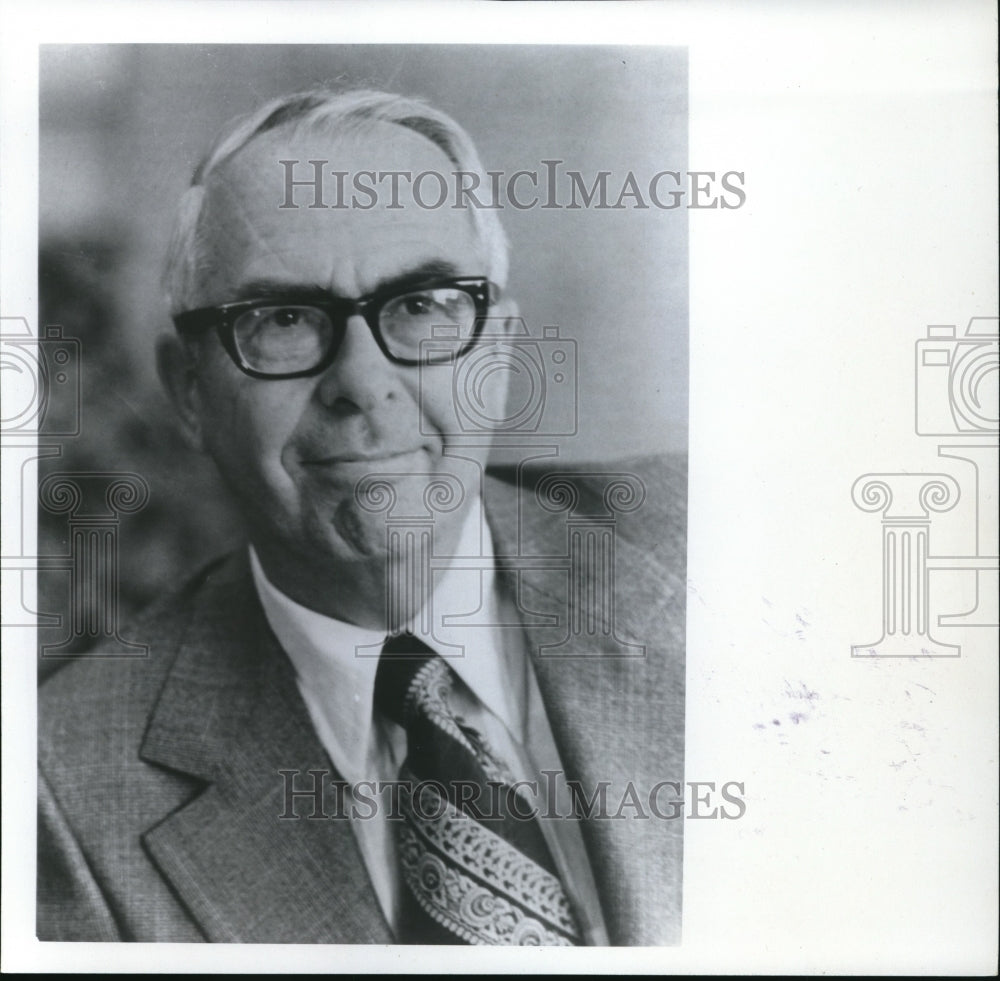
[178, 374]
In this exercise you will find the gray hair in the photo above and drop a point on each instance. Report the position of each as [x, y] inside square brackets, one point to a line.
[307, 111]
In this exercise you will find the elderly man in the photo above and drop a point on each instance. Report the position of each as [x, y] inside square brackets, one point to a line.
[427, 703]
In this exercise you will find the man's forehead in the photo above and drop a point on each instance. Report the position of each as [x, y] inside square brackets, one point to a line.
[349, 250]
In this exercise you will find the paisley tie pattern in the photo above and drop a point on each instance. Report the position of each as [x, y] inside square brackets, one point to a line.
[474, 861]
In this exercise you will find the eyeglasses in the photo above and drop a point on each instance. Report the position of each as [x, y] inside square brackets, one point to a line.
[298, 334]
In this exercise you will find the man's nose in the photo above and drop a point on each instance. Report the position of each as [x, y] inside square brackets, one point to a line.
[361, 377]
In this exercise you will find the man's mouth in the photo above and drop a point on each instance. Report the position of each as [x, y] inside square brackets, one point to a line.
[377, 458]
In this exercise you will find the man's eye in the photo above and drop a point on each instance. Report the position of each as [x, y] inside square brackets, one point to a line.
[283, 317]
[418, 305]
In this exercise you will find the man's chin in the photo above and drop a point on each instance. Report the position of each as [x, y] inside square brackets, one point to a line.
[363, 520]
[363, 533]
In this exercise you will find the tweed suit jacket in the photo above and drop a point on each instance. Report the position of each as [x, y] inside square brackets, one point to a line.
[159, 787]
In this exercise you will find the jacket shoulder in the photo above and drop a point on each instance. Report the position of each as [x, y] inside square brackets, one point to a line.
[646, 496]
[93, 709]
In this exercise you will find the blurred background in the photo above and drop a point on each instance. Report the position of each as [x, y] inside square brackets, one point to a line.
[121, 130]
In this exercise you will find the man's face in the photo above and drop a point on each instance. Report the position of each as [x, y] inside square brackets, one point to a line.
[293, 450]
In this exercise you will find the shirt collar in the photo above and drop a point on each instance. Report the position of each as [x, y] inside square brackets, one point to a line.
[335, 661]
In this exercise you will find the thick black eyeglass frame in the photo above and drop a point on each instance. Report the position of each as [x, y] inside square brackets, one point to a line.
[223, 318]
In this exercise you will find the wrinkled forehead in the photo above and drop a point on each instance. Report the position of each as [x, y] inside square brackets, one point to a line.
[328, 230]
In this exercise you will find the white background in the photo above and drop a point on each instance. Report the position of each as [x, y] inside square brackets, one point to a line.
[868, 137]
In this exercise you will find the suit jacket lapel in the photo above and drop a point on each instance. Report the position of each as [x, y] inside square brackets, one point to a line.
[617, 715]
[231, 715]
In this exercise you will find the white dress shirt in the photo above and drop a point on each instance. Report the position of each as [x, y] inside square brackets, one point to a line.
[478, 632]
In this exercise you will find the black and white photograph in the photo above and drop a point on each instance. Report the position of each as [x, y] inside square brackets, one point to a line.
[387, 585]
[494, 475]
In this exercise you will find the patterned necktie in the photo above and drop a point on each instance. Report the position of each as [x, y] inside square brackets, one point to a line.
[477, 871]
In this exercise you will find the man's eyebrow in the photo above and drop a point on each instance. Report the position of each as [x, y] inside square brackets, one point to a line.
[262, 288]
[420, 273]
[413, 276]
